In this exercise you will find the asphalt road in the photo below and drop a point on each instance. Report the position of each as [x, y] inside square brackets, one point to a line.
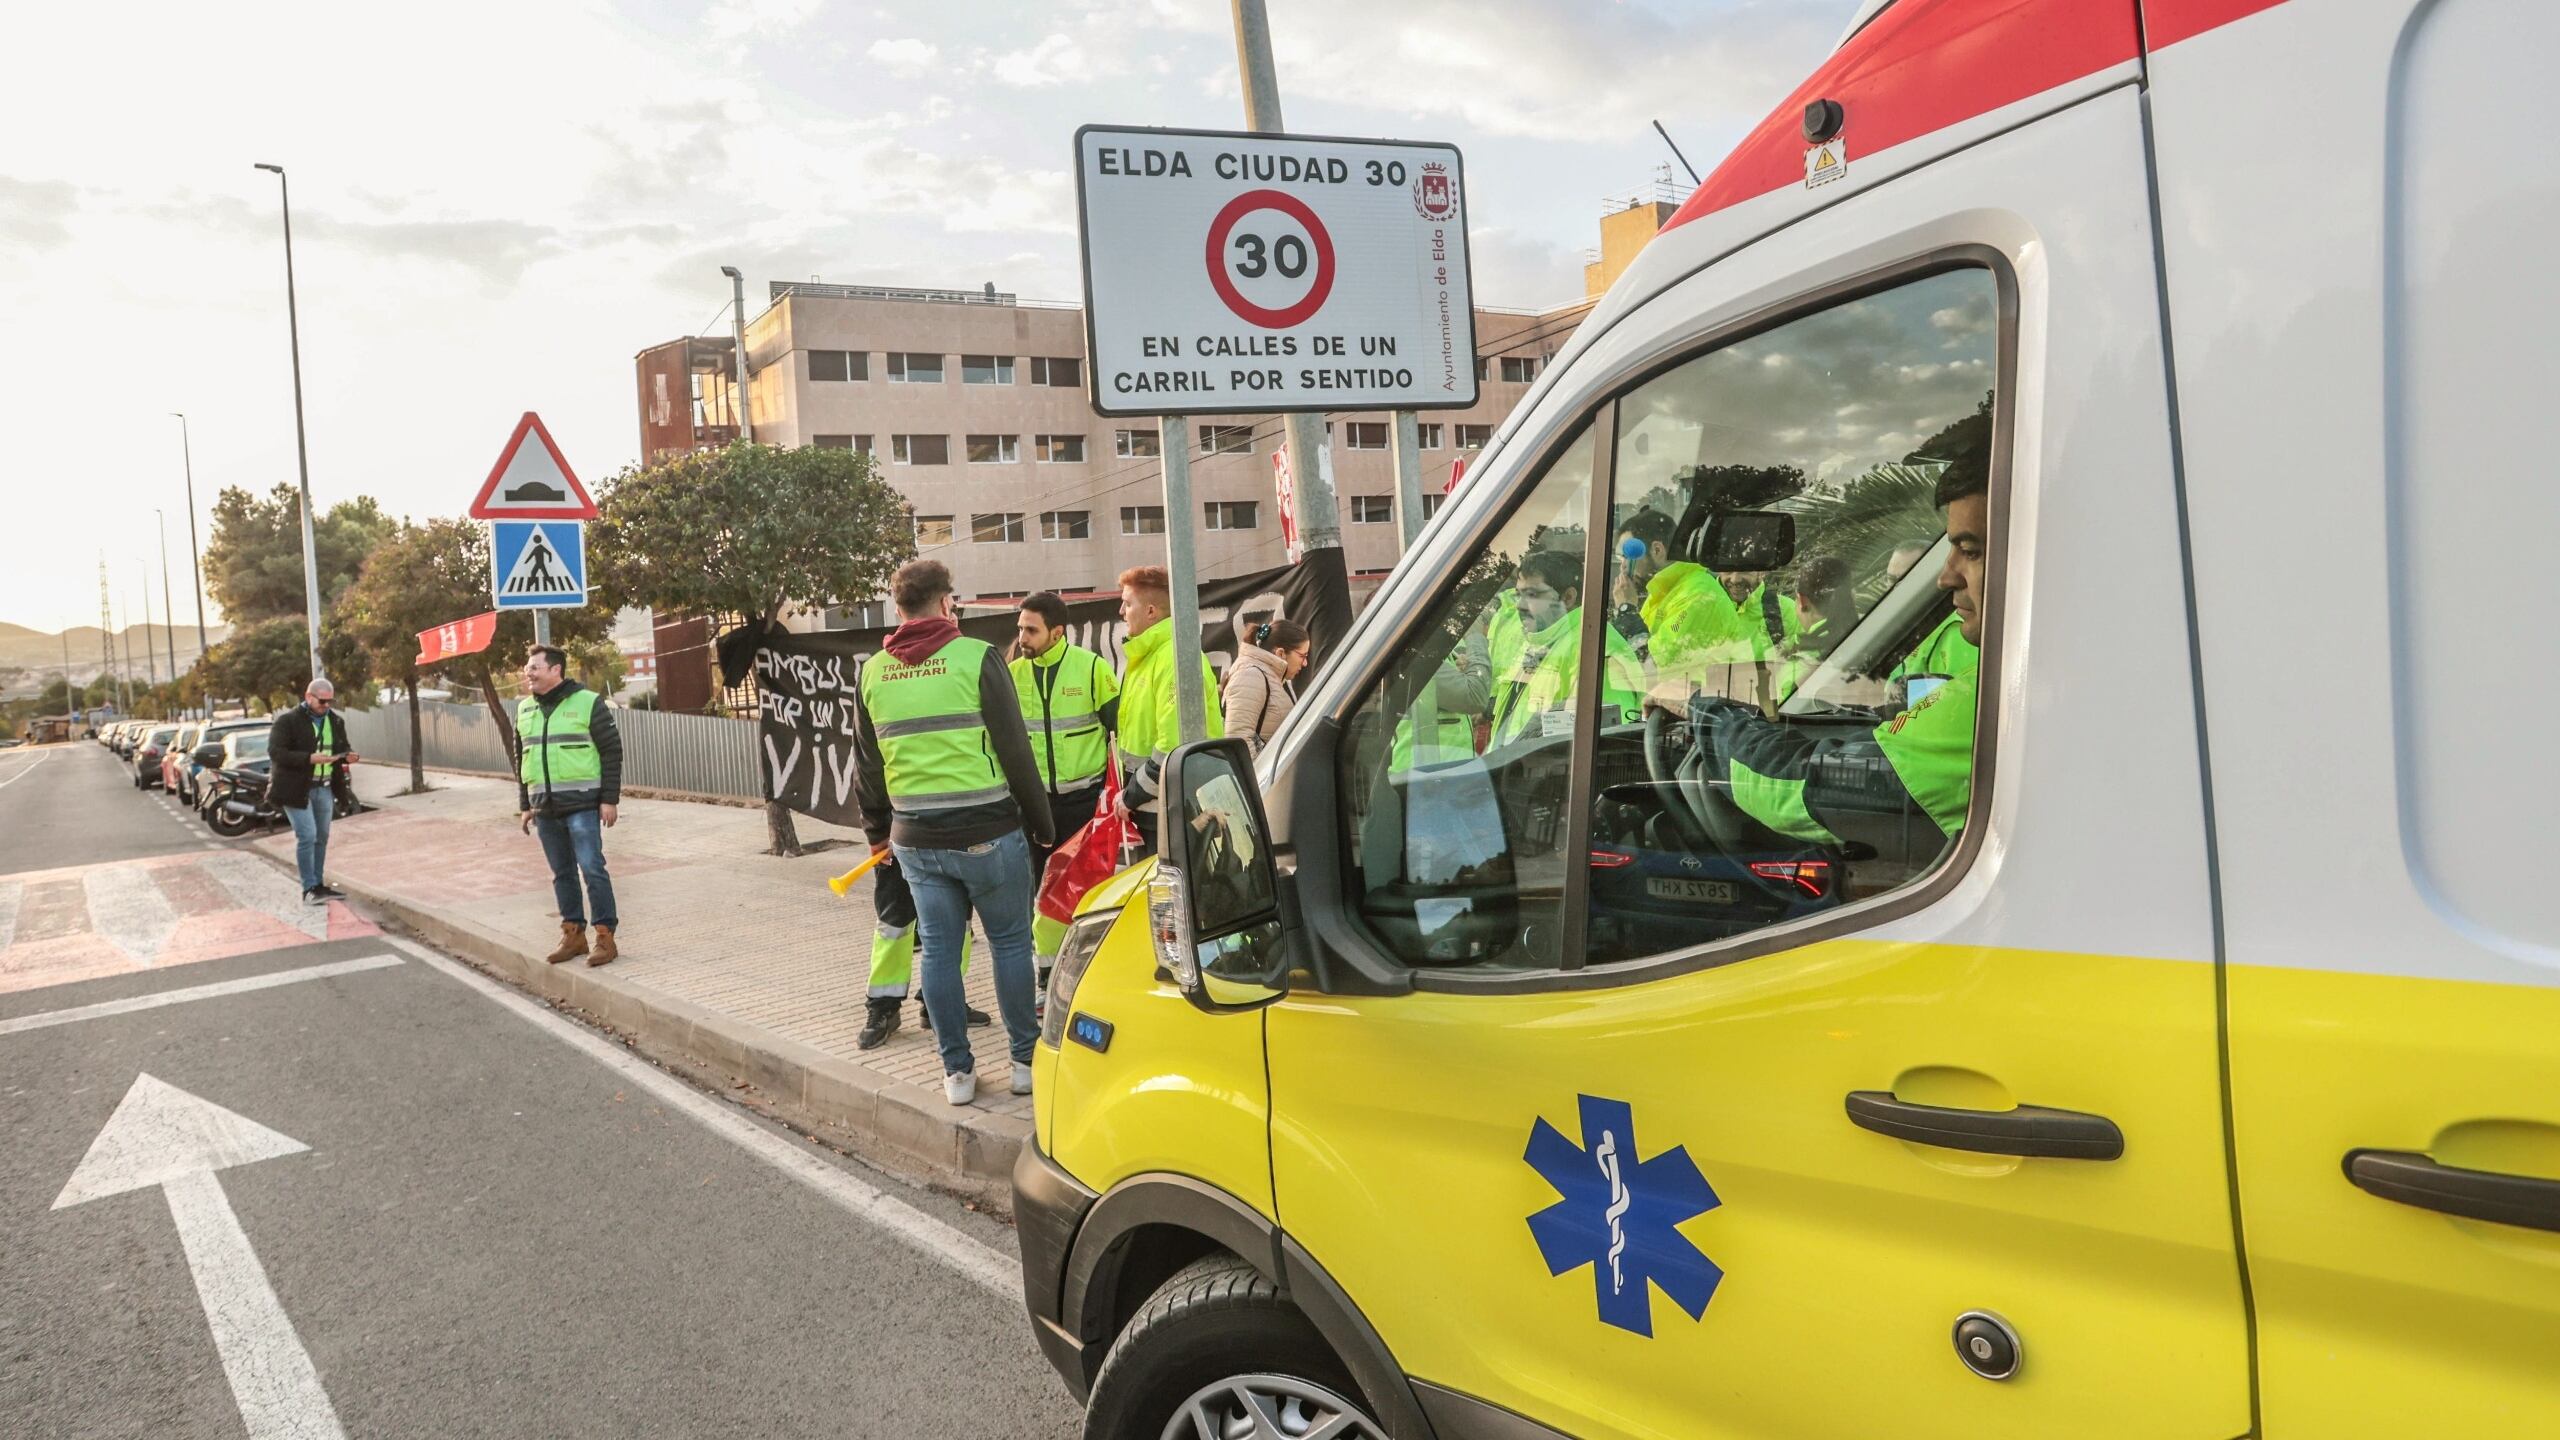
[473, 1217]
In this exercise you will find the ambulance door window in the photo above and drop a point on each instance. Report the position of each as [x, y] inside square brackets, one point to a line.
[1784, 598]
[1456, 770]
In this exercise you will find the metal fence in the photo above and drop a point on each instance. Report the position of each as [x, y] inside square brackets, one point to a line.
[695, 754]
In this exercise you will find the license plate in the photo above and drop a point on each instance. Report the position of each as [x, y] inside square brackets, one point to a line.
[1711, 892]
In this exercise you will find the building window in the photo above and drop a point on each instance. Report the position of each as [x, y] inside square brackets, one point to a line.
[1372, 509]
[1066, 524]
[1137, 444]
[999, 529]
[1433, 434]
[1141, 519]
[1227, 439]
[839, 365]
[1229, 514]
[932, 530]
[994, 449]
[1050, 370]
[1431, 503]
[920, 449]
[832, 442]
[908, 369]
[1061, 449]
[1519, 369]
[984, 369]
[1474, 437]
[1484, 368]
[863, 444]
[1368, 435]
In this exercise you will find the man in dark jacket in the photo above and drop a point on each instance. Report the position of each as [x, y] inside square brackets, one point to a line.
[308, 759]
[946, 779]
[569, 791]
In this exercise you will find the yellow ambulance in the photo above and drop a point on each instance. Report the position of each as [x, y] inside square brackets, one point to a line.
[1997, 882]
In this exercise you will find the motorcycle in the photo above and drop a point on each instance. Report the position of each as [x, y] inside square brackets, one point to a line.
[236, 801]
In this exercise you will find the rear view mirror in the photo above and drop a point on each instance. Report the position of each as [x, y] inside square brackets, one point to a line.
[1214, 903]
[1749, 540]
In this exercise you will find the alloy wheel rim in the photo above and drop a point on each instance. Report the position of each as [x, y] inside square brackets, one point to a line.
[1269, 1407]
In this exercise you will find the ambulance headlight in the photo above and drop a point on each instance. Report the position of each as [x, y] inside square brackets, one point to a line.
[1083, 942]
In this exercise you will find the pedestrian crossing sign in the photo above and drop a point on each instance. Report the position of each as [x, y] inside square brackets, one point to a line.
[539, 564]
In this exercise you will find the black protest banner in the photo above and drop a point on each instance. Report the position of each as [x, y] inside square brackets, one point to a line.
[807, 682]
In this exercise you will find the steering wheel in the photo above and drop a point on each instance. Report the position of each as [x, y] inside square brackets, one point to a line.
[1664, 771]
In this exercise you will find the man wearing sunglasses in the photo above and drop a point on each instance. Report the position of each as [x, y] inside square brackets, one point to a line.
[309, 760]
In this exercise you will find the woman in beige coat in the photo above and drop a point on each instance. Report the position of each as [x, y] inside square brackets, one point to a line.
[1257, 695]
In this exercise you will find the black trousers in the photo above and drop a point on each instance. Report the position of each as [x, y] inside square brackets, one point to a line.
[1068, 814]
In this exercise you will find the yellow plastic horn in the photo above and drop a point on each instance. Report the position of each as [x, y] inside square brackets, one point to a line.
[844, 882]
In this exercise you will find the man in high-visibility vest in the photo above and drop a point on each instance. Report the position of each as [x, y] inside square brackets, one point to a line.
[1071, 707]
[569, 788]
[947, 786]
[1537, 699]
[1150, 724]
[1808, 785]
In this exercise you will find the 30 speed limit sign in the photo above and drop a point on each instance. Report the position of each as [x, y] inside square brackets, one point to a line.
[1230, 273]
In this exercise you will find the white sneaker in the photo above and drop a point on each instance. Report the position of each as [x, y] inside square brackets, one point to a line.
[1021, 1078]
[960, 1089]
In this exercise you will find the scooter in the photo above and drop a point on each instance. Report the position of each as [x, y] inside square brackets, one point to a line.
[236, 801]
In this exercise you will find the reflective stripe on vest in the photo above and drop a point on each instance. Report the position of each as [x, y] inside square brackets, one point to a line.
[934, 746]
[558, 749]
[1067, 743]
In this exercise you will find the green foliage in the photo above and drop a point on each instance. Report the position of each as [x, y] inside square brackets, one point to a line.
[267, 662]
[748, 529]
[253, 561]
[1869, 518]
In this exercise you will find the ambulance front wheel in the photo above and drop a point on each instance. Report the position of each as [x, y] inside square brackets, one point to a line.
[1217, 1354]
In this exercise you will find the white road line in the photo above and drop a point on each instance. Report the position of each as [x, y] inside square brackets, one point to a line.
[262, 887]
[10, 893]
[22, 774]
[126, 907]
[49, 1018]
[991, 1268]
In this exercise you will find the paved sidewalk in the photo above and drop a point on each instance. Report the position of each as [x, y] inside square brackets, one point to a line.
[735, 962]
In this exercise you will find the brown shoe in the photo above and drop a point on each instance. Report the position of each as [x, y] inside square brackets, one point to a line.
[606, 951]
[573, 943]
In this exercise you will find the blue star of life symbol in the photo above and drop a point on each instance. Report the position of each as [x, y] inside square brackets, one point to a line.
[1621, 1216]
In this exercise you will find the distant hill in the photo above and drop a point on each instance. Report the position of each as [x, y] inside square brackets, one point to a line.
[41, 650]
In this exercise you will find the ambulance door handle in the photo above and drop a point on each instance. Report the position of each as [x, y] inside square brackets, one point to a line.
[2029, 1130]
[2412, 1178]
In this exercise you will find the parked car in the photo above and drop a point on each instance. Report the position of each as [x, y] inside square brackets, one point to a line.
[174, 755]
[187, 770]
[235, 786]
[154, 743]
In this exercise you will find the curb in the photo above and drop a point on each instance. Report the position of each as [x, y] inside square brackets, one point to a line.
[960, 1148]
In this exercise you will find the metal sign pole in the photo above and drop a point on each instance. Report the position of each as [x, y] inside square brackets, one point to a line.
[1408, 458]
[1182, 567]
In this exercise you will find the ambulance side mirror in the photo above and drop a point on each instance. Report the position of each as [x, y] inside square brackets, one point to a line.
[1213, 906]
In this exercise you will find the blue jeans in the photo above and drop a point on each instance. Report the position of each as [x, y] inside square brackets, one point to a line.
[574, 844]
[994, 879]
[311, 836]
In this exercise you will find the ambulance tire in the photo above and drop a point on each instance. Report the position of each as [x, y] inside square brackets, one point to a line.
[1217, 1319]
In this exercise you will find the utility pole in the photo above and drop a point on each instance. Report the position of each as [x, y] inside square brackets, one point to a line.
[195, 557]
[150, 662]
[1319, 518]
[301, 445]
[1182, 566]
[106, 631]
[738, 334]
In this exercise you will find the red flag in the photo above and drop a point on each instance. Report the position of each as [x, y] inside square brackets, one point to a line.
[457, 637]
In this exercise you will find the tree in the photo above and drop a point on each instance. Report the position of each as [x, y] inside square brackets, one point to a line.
[266, 661]
[253, 561]
[748, 530]
[598, 664]
[422, 576]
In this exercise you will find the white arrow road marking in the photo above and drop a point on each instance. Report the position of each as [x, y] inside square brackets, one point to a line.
[126, 906]
[45, 1019]
[161, 1135]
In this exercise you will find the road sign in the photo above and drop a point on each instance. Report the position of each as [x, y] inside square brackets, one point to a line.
[532, 481]
[538, 564]
[1228, 273]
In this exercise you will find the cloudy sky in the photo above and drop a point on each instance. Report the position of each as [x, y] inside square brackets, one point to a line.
[497, 202]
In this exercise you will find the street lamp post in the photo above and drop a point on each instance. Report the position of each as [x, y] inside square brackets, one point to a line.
[301, 445]
[168, 601]
[738, 335]
[195, 557]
